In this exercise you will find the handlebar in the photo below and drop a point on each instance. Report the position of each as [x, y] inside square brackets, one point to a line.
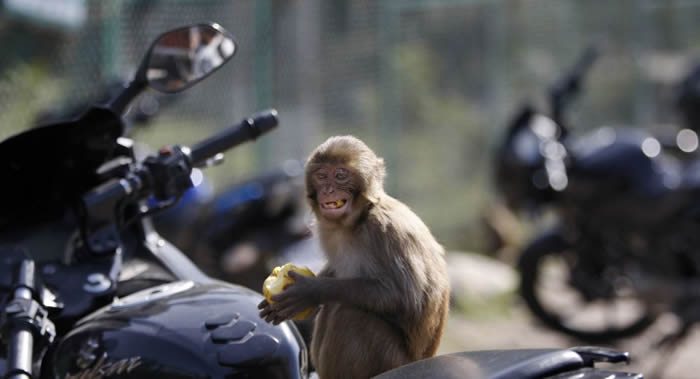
[248, 129]
[165, 175]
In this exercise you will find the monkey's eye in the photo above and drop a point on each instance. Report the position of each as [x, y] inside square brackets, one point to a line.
[342, 175]
[321, 176]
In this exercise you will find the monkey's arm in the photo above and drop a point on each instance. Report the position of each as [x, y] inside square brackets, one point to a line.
[372, 295]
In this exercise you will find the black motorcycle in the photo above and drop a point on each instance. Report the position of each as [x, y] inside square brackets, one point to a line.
[90, 290]
[622, 246]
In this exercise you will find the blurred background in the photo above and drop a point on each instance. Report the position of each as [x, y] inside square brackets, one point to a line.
[429, 84]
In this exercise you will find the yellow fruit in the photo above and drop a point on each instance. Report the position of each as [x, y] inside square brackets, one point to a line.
[279, 279]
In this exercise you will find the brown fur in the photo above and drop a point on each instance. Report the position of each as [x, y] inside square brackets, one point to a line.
[392, 307]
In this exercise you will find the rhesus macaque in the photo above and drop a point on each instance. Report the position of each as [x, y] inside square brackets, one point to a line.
[384, 292]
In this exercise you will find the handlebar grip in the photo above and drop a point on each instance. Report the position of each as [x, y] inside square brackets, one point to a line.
[100, 204]
[111, 192]
[248, 129]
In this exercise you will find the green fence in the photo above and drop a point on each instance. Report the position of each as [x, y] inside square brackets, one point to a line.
[428, 84]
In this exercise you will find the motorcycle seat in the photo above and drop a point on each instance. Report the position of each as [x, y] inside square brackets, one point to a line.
[491, 364]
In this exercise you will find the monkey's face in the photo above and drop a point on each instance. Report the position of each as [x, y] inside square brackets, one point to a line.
[335, 188]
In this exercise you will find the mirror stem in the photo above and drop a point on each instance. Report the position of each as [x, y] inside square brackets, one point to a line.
[120, 103]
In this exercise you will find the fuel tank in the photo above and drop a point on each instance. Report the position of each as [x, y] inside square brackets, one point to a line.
[182, 330]
[623, 177]
[623, 157]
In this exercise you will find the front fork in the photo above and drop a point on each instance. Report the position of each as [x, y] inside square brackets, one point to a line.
[25, 324]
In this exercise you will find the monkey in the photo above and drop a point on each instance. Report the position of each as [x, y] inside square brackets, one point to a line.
[383, 294]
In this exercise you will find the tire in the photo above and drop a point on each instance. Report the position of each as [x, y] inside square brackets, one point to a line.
[579, 309]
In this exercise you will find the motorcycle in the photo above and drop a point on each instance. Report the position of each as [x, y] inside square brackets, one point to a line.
[90, 290]
[621, 248]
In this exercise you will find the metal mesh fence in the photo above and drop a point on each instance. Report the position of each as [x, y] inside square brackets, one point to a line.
[428, 84]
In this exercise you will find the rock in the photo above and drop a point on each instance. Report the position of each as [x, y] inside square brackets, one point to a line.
[477, 276]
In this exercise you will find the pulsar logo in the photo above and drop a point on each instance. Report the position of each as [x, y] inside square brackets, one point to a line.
[102, 368]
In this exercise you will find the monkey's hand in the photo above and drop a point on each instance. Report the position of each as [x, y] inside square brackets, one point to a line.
[303, 294]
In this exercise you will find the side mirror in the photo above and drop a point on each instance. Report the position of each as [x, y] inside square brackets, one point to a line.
[182, 57]
[177, 60]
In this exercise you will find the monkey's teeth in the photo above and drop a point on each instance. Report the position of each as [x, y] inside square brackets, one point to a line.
[334, 204]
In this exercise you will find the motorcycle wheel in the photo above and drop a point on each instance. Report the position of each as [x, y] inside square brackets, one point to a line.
[597, 313]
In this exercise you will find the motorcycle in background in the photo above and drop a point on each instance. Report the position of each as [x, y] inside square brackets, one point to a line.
[622, 248]
[242, 232]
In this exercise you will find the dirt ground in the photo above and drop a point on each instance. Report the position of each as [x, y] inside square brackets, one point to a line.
[520, 331]
[511, 326]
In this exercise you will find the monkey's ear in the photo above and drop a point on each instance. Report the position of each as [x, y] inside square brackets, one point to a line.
[375, 187]
[381, 171]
